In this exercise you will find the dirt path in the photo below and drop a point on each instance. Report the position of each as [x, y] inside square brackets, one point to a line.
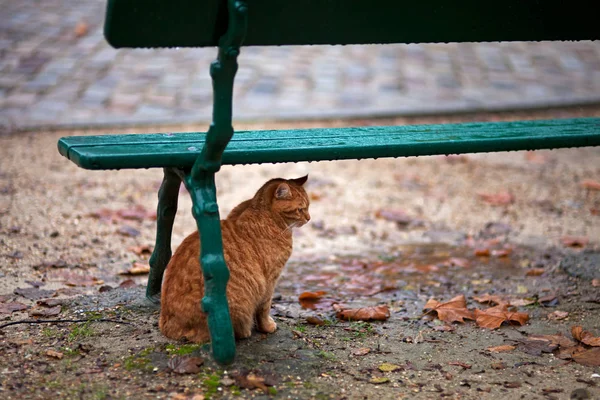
[384, 232]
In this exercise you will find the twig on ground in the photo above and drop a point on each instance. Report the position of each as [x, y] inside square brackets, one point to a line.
[59, 321]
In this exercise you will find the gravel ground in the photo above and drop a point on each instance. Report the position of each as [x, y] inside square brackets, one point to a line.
[56, 233]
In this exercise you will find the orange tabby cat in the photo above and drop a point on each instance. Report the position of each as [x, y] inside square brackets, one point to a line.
[257, 242]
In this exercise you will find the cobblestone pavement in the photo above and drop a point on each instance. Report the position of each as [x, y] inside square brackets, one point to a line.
[57, 70]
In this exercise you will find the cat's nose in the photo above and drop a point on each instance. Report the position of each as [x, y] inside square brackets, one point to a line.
[307, 215]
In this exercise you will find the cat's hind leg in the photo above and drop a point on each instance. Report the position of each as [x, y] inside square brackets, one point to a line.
[264, 321]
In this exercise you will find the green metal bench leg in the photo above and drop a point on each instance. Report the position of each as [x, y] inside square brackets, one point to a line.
[200, 182]
[168, 195]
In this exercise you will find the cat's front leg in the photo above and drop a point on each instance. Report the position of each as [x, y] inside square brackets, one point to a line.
[264, 321]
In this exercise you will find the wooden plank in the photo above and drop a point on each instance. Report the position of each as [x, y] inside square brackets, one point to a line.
[193, 23]
[181, 149]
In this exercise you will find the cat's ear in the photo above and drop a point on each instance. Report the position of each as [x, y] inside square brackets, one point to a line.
[283, 192]
[300, 181]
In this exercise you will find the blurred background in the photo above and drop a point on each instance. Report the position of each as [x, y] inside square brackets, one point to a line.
[57, 71]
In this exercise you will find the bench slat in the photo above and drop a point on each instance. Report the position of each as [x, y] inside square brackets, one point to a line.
[181, 149]
[194, 23]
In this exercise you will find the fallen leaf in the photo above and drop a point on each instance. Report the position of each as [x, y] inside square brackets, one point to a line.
[81, 29]
[512, 385]
[490, 299]
[584, 337]
[549, 300]
[557, 315]
[497, 199]
[45, 312]
[535, 157]
[492, 318]
[457, 262]
[398, 216]
[83, 280]
[522, 302]
[574, 241]
[250, 381]
[502, 349]
[129, 283]
[377, 380]
[141, 250]
[454, 310]
[498, 365]
[444, 328]
[551, 390]
[536, 347]
[315, 321]
[482, 252]
[535, 272]
[127, 230]
[377, 313]
[33, 293]
[460, 364]
[137, 213]
[51, 302]
[590, 184]
[363, 351]
[388, 367]
[315, 300]
[9, 308]
[501, 253]
[595, 282]
[55, 354]
[590, 358]
[137, 268]
[558, 340]
[185, 364]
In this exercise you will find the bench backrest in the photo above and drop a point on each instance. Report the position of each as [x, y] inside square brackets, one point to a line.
[200, 23]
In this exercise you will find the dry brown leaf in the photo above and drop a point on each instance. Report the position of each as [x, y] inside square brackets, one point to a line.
[137, 268]
[454, 310]
[141, 250]
[83, 280]
[558, 340]
[584, 337]
[9, 308]
[537, 347]
[250, 381]
[590, 184]
[482, 252]
[398, 216]
[522, 302]
[81, 29]
[45, 312]
[490, 299]
[574, 241]
[55, 354]
[315, 321]
[129, 283]
[557, 315]
[314, 300]
[185, 364]
[493, 317]
[497, 199]
[590, 358]
[361, 352]
[457, 262]
[535, 272]
[460, 364]
[377, 313]
[501, 349]
[501, 253]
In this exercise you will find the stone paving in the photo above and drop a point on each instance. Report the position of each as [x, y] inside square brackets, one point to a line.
[56, 70]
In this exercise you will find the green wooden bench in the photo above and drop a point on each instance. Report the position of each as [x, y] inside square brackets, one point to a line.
[194, 158]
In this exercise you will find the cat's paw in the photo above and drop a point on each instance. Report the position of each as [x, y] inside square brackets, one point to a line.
[268, 325]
